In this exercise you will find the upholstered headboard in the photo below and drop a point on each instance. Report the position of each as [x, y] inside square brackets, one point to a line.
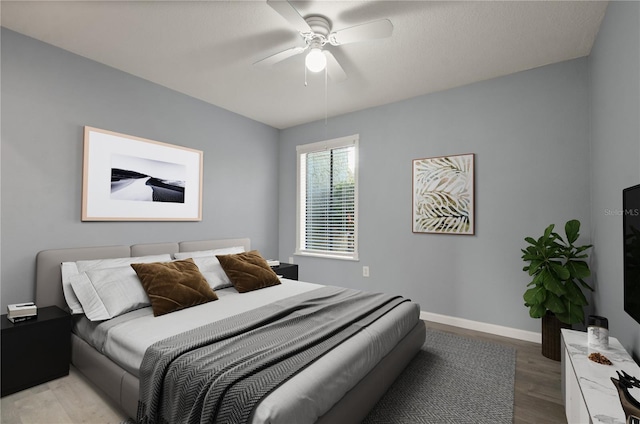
[49, 277]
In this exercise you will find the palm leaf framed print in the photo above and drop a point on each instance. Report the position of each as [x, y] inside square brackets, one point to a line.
[444, 195]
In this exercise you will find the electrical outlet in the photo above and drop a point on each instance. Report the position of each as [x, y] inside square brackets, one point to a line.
[365, 271]
[290, 259]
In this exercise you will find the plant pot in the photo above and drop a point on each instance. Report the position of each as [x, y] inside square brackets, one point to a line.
[551, 337]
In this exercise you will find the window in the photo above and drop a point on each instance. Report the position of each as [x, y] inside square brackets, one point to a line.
[328, 199]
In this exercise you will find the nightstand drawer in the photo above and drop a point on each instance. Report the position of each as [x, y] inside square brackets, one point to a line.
[285, 270]
[35, 351]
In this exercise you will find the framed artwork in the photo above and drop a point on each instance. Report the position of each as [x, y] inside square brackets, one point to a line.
[128, 178]
[444, 195]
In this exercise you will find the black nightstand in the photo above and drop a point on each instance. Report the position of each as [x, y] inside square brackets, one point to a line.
[35, 351]
[284, 270]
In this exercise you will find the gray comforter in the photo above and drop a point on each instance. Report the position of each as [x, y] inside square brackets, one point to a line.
[220, 372]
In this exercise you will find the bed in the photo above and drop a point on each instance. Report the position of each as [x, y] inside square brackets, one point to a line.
[349, 401]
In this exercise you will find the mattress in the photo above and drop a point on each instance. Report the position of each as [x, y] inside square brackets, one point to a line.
[306, 396]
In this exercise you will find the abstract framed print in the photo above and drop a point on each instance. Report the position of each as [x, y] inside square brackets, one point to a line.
[444, 195]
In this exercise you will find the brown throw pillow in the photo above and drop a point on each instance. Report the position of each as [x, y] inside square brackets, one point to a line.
[173, 285]
[248, 271]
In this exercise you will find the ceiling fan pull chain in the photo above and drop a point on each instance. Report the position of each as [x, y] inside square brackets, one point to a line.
[326, 101]
[326, 95]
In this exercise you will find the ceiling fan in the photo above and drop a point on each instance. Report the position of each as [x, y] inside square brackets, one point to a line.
[316, 31]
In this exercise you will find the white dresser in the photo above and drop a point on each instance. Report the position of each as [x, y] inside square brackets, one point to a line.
[588, 393]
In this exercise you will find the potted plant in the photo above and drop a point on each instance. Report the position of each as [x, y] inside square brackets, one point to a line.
[558, 268]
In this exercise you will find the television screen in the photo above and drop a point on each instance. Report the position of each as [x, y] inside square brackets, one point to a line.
[631, 222]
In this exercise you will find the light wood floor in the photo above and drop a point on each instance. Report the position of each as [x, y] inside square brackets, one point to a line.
[73, 399]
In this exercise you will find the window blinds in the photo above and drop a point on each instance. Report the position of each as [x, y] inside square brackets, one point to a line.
[327, 202]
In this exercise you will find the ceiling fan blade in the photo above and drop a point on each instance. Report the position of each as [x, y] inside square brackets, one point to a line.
[287, 11]
[335, 71]
[369, 31]
[278, 57]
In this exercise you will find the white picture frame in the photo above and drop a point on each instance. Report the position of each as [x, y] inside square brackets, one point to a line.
[127, 178]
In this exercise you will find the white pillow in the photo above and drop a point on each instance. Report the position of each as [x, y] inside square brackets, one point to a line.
[109, 292]
[70, 269]
[200, 253]
[209, 265]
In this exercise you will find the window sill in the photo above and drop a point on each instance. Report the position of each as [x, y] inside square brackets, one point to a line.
[354, 257]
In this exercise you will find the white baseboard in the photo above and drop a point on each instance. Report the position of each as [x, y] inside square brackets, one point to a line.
[498, 330]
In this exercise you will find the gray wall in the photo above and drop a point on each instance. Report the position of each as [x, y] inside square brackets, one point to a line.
[614, 84]
[530, 134]
[48, 95]
[551, 144]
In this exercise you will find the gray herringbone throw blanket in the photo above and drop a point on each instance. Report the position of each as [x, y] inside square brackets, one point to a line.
[220, 372]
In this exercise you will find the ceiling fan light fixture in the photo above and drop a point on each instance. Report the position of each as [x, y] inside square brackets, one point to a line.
[315, 61]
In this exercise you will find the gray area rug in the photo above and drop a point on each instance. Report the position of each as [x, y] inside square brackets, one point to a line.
[453, 379]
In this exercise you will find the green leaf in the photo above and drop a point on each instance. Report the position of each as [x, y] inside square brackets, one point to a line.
[578, 269]
[538, 280]
[564, 317]
[556, 239]
[537, 311]
[551, 251]
[535, 265]
[572, 229]
[548, 231]
[530, 257]
[574, 294]
[551, 283]
[535, 296]
[574, 314]
[583, 248]
[530, 240]
[562, 272]
[530, 253]
[554, 304]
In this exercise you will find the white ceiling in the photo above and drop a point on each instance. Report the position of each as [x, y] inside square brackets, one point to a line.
[206, 49]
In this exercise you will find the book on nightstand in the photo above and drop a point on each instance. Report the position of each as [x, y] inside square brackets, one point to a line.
[20, 319]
